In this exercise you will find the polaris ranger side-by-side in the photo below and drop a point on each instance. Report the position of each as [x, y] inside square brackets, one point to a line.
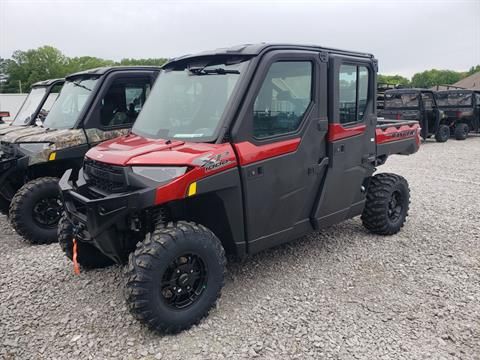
[419, 105]
[381, 88]
[462, 107]
[93, 106]
[234, 152]
[35, 107]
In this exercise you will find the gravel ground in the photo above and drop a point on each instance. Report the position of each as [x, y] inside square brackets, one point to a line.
[342, 293]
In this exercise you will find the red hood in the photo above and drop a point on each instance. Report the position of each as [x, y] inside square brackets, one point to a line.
[134, 149]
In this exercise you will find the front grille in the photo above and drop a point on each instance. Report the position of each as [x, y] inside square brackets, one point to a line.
[105, 177]
[7, 149]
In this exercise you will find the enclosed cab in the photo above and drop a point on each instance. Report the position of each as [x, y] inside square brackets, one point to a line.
[36, 105]
[462, 107]
[419, 105]
[93, 106]
[381, 88]
[236, 150]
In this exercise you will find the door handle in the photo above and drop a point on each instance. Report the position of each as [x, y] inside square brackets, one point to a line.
[317, 169]
[254, 172]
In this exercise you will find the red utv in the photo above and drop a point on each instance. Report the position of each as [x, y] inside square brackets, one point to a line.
[236, 150]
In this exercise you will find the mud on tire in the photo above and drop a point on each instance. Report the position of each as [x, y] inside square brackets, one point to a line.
[159, 291]
[38, 195]
[87, 255]
[386, 208]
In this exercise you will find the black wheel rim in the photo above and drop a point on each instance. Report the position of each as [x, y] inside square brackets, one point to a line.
[47, 212]
[184, 281]
[395, 206]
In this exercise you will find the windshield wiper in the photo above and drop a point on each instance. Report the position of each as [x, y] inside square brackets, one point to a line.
[217, 71]
[80, 85]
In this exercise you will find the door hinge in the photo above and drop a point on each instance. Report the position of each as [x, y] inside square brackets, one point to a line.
[323, 55]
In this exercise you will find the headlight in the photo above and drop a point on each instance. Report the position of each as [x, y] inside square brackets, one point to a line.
[36, 147]
[159, 174]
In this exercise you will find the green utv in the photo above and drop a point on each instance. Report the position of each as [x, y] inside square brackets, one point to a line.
[93, 106]
[462, 108]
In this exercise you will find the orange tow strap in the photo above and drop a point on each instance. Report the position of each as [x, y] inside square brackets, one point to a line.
[76, 266]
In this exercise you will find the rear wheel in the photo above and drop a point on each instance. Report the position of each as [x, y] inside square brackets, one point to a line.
[36, 209]
[87, 255]
[442, 134]
[386, 208]
[175, 276]
[461, 131]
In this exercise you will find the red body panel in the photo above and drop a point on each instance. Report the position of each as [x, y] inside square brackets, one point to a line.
[338, 132]
[394, 133]
[202, 160]
[249, 153]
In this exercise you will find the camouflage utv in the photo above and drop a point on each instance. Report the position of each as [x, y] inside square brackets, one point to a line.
[36, 105]
[93, 106]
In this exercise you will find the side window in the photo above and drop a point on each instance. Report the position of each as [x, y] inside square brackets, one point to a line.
[427, 101]
[353, 93]
[477, 95]
[122, 103]
[283, 98]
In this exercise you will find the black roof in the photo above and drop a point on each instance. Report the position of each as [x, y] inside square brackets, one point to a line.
[49, 82]
[257, 49]
[107, 69]
[408, 90]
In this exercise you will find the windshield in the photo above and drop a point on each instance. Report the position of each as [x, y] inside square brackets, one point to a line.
[65, 111]
[454, 99]
[401, 100]
[188, 103]
[33, 100]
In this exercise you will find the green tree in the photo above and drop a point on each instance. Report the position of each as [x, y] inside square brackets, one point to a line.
[393, 79]
[81, 63]
[473, 70]
[150, 61]
[47, 62]
[429, 78]
[28, 67]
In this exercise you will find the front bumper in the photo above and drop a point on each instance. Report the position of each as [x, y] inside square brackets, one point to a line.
[11, 168]
[104, 221]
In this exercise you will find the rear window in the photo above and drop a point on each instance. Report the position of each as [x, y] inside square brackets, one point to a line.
[454, 99]
[401, 100]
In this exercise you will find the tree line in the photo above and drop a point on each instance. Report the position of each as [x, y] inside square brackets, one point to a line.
[24, 68]
[429, 78]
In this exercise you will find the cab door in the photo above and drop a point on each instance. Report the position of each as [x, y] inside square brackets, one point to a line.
[117, 104]
[351, 139]
[280, 144]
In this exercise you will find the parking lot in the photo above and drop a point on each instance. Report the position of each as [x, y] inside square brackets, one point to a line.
[342, 293]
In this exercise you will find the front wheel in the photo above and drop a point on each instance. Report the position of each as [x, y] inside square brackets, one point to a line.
[386, 208]
[175, 276]
[36, 209]
[88, 256]
[442, 134]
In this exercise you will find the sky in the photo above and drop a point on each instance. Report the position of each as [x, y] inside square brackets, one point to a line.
[405, 36]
